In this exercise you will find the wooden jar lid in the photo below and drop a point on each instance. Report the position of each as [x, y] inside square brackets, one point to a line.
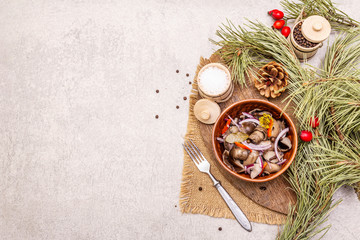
[206, 111]
[316, 29]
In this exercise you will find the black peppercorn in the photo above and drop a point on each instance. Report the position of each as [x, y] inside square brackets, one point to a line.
[300, 39]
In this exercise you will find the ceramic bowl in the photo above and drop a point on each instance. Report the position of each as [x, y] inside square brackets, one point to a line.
[246, 106]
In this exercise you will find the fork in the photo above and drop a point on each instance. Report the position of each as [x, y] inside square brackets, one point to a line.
[204, 166]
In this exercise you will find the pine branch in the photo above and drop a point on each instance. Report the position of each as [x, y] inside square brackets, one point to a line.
[333, 98]
[336, 125]
[240, 61]
[313, 202]
[326, 8]
[341, 162]
[258, 43]
[334, 91]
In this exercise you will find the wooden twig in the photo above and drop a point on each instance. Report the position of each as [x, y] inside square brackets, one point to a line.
[320, 80]
[354, 103]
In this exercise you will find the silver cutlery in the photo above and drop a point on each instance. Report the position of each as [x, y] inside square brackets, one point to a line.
[204, 166]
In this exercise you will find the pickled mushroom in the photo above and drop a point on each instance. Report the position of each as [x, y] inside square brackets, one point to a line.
[225, 158]
[272, 168]
[238, 153]
[248, 127]
[251, 158]
[258, 135]
[255, 171]
[269, 155]
[275, 129]
[284, 144]
[233, 129]
[228, 146]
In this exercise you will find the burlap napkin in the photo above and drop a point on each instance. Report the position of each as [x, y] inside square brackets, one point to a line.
[198, 194]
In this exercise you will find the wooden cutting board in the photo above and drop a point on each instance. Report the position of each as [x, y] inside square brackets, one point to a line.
[275, 194]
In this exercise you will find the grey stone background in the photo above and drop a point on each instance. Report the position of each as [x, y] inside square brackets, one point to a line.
[82, 155]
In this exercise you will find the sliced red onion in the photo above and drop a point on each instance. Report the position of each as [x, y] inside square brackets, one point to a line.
[282, 133]
[247, 115]
[261, 162]
[233, 121]
[256, 147]
[282, 162]
[248, 168]
[221, 140]
[250, 120]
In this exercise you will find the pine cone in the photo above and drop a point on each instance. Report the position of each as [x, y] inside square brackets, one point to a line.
[273, 80]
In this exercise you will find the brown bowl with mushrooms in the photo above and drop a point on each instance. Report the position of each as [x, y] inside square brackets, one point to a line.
[254, 140]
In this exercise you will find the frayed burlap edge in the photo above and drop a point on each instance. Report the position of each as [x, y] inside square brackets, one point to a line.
[193, 132]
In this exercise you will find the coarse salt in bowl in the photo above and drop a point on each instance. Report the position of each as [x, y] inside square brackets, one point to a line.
[214, 79]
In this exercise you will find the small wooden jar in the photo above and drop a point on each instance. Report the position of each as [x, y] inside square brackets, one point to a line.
[222, 96]
[314, 29]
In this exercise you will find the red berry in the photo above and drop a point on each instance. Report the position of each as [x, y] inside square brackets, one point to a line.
[285, 31]
[278, 24]
[270, 12]
[314, 122]
[276, 14]
[306, 136]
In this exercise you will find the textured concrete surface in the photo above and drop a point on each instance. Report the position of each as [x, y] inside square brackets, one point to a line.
[82, 155]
